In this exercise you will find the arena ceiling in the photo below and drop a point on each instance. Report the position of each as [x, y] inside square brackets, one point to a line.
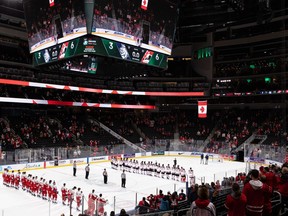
[196, 17]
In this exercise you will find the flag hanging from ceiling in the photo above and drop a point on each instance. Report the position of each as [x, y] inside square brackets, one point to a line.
[144, 4]
[202, 109]
[51, 3]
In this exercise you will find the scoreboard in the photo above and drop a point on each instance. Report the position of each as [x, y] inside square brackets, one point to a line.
[137, 31]
[102, 47]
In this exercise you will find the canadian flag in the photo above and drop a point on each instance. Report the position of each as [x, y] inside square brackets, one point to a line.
[202, 109]
[51, 2]
[144, 4]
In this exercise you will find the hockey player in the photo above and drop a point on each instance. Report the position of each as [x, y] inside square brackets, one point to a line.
[54, 192]
[71, 194]
[49, 190]
[91, 202]
[137, 166]
[100, 205]
[4, 176]
[162, 171]
[79, 195]
[17, 180]
[33, 185]
[168, 171]
[120, 162]
[158, 170]
[39, 187]
[12, 179]
[64, 192]
[191, 176]
[183, 174]
[44, 189]
[23, 181]
[8, 178]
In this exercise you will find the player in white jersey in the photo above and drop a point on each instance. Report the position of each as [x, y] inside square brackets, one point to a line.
[163, 171]
[158, 170]
[183, 174]
[145, 168]
[113, 161]
[168, 171]
[133, 166]
[191, 176]
[120, 164]
[177, 173]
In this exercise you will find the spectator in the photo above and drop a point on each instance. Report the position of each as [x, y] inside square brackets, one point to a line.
[164, 204]
[174, 201]
[192, 195]
[255, 192]
[202, 206]
[143, 206]
[283, 186]
[236, 202]
[123, 213]
[182, 195]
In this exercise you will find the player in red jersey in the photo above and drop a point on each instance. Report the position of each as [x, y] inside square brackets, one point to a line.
[64, 192]
[17, 180]
[49, 190]
[54, 192]
[91, 203]
[12, 177]
[4, 176]
[23, 180]
[44, 189]
[39, 187]
[70, 195]
[28, 183]
[79, 194]
[100, 205]
[33, 186]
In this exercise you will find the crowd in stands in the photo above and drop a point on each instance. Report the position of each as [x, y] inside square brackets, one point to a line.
[230, 128]
[9, 140]
[234, 128]
[158, 125]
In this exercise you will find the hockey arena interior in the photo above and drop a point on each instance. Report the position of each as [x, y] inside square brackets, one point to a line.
[143, 107]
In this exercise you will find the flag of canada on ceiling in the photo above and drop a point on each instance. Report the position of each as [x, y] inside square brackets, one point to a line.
[202, 109]
[51, 2]
[144, 4]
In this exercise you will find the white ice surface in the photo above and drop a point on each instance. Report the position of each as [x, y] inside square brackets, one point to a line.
[17, 202]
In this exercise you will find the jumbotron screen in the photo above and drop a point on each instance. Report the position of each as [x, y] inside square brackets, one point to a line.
[50, 22]
[149, 24]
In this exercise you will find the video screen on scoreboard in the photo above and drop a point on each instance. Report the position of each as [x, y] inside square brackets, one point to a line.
[50, 22]
[148, 24]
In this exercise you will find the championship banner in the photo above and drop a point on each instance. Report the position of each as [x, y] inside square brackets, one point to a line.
[144, 4]
[202, 109]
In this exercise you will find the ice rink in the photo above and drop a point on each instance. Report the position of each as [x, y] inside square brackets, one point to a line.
[17, 202]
